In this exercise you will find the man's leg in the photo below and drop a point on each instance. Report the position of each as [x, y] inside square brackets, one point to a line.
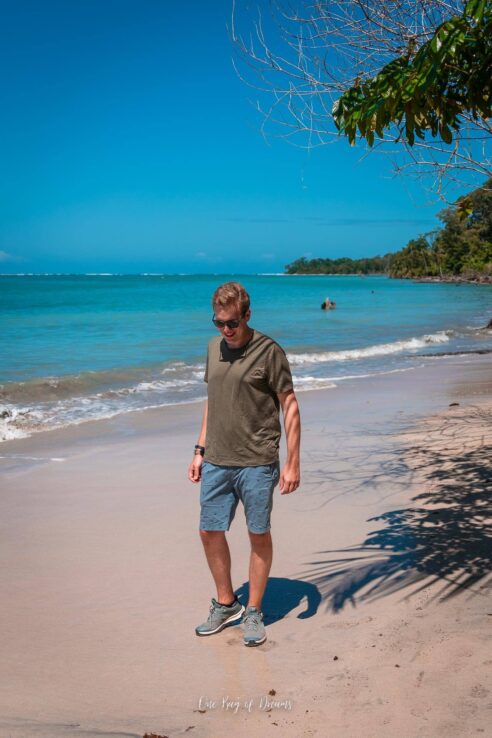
[219, 561]
[218, 503]
[260, 563]
[226, 610]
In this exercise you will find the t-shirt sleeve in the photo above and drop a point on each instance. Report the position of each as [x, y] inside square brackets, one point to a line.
[279, 374]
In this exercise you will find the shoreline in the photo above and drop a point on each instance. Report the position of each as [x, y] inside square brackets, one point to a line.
[140, 420]
[450, 279]
[453, 279]
[330, 383]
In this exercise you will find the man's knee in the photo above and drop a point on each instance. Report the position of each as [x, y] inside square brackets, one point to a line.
[260, 540]
[211, 536]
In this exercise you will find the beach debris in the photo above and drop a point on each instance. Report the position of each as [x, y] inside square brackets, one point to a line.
[201, 711]
[454, 404]
[335, 658]
[397, 666]
[190, 727]
[154, 735]
[272, 692]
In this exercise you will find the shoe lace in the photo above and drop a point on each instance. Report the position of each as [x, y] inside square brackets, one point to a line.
[213, 610]
[252, 620]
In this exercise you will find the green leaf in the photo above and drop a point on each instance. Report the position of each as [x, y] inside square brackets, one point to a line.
[475, 9]
[446, 134]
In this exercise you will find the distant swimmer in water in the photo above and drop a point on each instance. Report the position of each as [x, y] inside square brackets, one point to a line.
[328, 304]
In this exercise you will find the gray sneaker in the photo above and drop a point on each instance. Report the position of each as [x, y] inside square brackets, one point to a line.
[220, 616]
[254, 630]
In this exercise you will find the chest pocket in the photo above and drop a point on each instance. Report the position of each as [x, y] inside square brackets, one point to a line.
[258, 377]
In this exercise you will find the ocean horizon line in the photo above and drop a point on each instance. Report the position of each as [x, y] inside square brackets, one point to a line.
[140, 274]
[182, 274]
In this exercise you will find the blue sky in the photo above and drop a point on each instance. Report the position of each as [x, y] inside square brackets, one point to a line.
[128, 144]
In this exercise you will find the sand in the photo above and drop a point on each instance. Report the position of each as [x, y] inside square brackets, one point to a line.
[377, 609]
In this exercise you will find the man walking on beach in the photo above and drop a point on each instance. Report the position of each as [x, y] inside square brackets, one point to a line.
[236, 457]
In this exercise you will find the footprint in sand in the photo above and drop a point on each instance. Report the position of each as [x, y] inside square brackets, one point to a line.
[349, 623]
[479, 691]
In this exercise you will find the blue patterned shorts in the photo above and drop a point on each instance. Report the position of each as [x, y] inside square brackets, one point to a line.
[223, 486]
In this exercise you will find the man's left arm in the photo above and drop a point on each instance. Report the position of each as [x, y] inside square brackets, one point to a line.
[290, 475]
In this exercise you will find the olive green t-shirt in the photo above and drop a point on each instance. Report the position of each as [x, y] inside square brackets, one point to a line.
[243, 425]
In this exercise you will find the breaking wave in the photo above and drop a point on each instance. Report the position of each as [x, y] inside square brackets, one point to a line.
[381, 349]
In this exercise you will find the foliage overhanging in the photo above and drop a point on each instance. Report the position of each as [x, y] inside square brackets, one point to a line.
[451, 74]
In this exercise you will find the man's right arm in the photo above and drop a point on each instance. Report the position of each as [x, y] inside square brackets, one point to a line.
[195, 468]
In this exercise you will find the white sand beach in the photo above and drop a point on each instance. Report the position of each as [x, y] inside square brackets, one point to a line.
[377, 609]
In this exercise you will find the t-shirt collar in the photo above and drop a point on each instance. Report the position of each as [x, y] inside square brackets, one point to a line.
[240, 352]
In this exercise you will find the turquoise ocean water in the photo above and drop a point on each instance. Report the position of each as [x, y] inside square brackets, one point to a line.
[76, 348]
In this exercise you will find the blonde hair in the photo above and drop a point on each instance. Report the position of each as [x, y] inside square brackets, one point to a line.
[231, 293]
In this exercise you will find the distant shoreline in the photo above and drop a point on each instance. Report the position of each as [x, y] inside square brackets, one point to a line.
[335, 274]
[455, 279]
[450, 279]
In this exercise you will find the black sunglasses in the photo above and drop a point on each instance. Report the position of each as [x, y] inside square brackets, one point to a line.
[229, 323]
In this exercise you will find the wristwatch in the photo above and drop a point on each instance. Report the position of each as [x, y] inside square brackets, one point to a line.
[199, 450]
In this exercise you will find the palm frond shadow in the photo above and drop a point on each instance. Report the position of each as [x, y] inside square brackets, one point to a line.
[444, 538]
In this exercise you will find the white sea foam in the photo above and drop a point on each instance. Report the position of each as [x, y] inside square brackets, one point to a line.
[10, 433]
[380, 349]
[311, 383]
[34, 458]
[10, 423]
[177, 366]
[159, 385]
[55, 421]
[301, 383]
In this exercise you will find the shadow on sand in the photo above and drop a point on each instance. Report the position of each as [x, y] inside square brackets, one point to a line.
[445, 537]
[284, 595]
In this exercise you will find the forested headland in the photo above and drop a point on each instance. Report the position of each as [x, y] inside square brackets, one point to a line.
[460, 250]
